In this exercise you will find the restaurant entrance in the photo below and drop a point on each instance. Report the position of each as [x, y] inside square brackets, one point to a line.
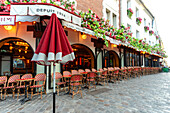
[15, 56]
[111, 59]
[84, 58]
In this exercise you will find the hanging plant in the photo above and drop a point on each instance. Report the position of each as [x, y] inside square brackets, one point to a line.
[129, 12]
[146, 28]
[151, 32]
[138, 20]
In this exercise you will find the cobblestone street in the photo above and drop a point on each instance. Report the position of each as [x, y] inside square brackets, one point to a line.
[147, 94]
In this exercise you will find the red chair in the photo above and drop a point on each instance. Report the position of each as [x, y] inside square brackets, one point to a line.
[60, 81]
[74, 72]
[76, 82]
[3, 80]
[91, 78]
[87, 70]
[12, 81]
[94, 70]
[104, 76]
[41, 77]
[22, 85]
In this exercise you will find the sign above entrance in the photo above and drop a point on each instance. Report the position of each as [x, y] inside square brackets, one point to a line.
[7, 20]
[44, 9]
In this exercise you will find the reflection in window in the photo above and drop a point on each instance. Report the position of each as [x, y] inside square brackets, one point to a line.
[18, 63]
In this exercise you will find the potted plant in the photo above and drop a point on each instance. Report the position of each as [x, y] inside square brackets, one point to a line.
[146, 28]
[151, 32]
[138, 20]
[129, 12]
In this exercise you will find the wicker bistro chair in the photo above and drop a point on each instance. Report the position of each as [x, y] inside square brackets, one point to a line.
[76, 82]
[3, 80]
[12, 81]
[21, 85]
[65, 79]
[84, 77]
[123, 73]
[74, 72]
[87, 70]
[91, 78]
[104, 77]
[41, 77]
[116, 75]
[94, 70]
[60, 81]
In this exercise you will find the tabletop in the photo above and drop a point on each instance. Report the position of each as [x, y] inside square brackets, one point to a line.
[67, 76]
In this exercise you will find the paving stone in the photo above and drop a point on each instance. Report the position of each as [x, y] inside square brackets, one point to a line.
[147, 94]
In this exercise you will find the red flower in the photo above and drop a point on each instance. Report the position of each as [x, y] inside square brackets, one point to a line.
[127, 37]
[140, 41]
[114, 37]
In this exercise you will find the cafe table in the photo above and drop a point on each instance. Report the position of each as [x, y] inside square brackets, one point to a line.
[84, 77]
[68, 77]
[25, 80]
[1, 82]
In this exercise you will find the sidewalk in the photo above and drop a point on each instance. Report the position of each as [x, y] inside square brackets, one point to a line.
[148, 94]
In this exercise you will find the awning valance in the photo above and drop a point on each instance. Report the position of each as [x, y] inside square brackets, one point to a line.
[43, 9]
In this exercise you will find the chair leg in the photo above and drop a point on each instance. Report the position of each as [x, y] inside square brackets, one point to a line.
[58, 90]
[13, 92]
[27, 92]
[80, 91]
[1, 93]
[44, 90]
[41, 92]
[18, 93]
[73, 92]
[4, 93]
[31, 92]
[64, 87]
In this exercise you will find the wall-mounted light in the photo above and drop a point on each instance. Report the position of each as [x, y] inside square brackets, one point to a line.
[19, 22]
[75, 30]
[28, 61]
[65, 27]
[114, 45]
[34, 22]
[25, 51]
[8, 27]
[10, 47]
[19, 50]
[83, 36]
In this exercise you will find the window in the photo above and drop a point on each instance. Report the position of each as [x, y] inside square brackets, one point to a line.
[137, 34]
[149, 42]
[129, 26]
[137, 12]
[108, 15]
[144, 22]
[114, 21]
[128, 4]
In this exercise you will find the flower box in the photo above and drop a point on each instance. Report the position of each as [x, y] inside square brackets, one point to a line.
[157, 37]
[146, 28]
[151, 32]
[129, 12]
[138, 20]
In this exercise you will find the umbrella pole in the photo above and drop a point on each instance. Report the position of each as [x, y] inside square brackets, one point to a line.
[53, 88]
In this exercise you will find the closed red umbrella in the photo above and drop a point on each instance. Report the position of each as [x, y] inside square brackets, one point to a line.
[53, 47]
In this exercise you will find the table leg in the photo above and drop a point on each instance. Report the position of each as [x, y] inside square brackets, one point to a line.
[25, 99]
